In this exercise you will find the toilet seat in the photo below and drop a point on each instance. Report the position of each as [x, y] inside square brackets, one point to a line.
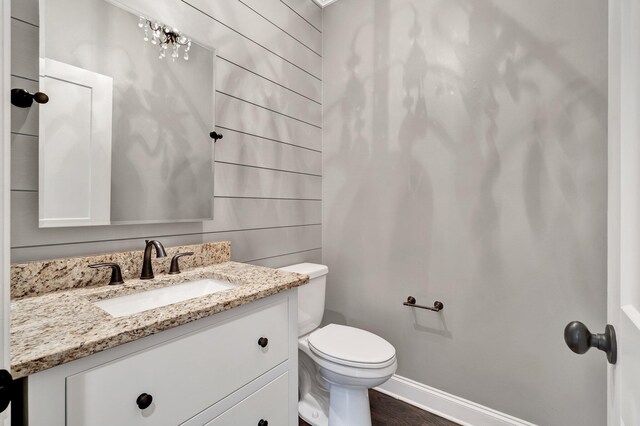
[373, 372]
[352, 347]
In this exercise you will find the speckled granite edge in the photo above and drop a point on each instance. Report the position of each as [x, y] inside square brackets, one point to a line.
[46, 276]
[60, 327]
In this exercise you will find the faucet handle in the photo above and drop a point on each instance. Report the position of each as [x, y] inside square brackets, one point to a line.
[116, 273]
[175, 266]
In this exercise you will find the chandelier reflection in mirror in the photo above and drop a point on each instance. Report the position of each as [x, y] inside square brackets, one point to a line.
[166, 38]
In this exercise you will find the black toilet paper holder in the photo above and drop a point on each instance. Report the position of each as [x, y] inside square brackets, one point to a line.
[411, 302]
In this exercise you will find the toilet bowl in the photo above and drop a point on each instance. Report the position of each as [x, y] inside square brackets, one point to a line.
[337, 364]
[345, 370]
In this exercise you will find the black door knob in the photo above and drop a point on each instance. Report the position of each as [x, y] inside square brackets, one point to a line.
[579, 339]
[263, 422]
[144, 401]
[215, 136]
[263, 341]
[24, 99]
[6, 389]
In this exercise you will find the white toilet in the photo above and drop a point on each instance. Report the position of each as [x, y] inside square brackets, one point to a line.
[337, 364]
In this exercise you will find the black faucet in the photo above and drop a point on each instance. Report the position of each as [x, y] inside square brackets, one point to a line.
[147, 269]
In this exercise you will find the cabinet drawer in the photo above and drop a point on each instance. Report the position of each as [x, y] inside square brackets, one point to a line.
[184, 376]
[270, 403]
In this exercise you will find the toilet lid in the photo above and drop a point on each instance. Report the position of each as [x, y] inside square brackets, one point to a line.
[351, 346]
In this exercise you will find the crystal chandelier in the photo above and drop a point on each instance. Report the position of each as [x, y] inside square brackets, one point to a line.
[166, 38]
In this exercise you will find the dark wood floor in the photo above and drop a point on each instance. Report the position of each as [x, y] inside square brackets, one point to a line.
[387, 411]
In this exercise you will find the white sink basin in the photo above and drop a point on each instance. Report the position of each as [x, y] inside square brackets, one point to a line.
[139, 302]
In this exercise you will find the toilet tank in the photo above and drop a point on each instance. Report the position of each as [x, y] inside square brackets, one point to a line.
[310, 296]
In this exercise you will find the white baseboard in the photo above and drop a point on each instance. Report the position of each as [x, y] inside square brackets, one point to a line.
[445, 405]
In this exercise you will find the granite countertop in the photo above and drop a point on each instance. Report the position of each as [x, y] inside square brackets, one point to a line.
[59, 327]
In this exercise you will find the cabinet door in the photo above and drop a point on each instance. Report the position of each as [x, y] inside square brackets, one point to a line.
[75, 146]
[269, 404]
[183, 377]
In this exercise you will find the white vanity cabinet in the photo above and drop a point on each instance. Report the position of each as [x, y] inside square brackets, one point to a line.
[213, 371]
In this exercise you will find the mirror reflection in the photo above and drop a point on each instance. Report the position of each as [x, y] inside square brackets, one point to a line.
[124, 137]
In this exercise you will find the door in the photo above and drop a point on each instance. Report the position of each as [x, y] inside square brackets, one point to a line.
[5, 157]
[624, 210]
[75, 146]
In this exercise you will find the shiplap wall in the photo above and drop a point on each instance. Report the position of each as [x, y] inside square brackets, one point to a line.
[268, 106]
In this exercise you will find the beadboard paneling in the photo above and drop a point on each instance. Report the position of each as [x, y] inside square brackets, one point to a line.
[24, 49]
[264, 243]
[256, 213]
[242, 181]
[280, 15]
[236, 114]
[229, 214]
[311, 256]
[25, 11]
[307, 10]
[268, 166]
[241, 148]
[246, 246]
[253, 26]
[246, 85]
[24, 162]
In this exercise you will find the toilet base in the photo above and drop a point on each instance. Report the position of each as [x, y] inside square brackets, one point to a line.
[349, 406]
[310, 410]
[313, 398]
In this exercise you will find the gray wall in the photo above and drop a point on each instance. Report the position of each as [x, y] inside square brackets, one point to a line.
[465, 161]
[268, 166]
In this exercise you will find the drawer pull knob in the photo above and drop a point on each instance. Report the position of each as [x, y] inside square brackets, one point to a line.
[144, 401]
[263, 422]
[263, 342]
